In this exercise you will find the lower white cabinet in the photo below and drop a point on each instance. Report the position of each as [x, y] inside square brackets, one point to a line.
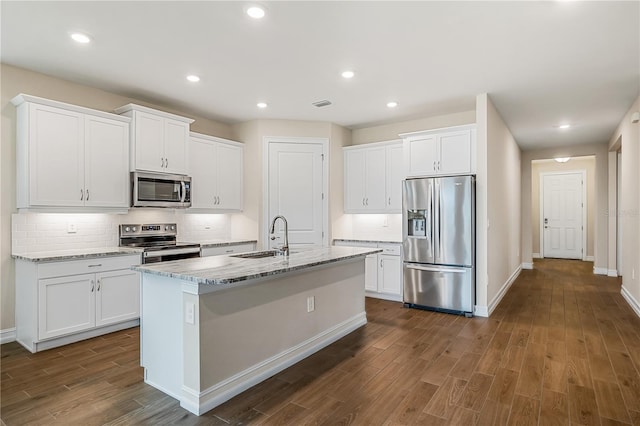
[63, 302]
[383, 271]
[227, 249]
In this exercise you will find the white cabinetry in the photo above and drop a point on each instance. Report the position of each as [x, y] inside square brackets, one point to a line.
[159, 140]
[69, 157]
[227, 249]
[63, 302]
[440, 152]
[216, 168]
[383, 271]
[373, 178]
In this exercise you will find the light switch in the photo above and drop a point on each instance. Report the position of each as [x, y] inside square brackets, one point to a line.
[311, 303]
[71, 228]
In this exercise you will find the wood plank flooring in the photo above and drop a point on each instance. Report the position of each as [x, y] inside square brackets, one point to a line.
[562, 348]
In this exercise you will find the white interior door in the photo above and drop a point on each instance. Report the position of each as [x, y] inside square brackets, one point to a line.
[562, 217]
[296, 192]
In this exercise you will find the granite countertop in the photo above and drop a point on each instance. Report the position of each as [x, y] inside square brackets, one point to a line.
[360, 240]
[75, 254]
[222, 243]
[225, 270]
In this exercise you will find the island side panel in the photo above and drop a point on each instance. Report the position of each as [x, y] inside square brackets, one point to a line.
[250, 333]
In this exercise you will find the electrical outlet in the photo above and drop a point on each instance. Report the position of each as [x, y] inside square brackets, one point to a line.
[190, 313]
[633, 274]
[71, 228]
[311, 303]
[385, 221]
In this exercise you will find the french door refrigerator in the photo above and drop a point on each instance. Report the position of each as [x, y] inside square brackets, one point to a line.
[439, 243]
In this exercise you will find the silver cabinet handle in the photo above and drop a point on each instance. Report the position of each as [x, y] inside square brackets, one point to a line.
[87, 195]
[367, 201]
[166, 163]
[229, 251]
[381, 263]
[81, 195]
[99, 282]
[219, 200]
[92, 286]
[162, 162]
[389, 200]
[434, 166]
[438, 165]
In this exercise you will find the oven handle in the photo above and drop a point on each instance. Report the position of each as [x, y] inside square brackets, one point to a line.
[171, 252]
[183, 192]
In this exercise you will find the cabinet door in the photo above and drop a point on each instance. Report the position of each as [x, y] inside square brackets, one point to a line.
[455, 152]
[117, 296]
[176, 134]
[65, 305]
[202, 169]
[354, 180]
[376, 181]
[106, 162]
[421, 156]
[394, 178]
[56, 157]
[371, 272]
[229, 161]
[390, 274]
[149, 142]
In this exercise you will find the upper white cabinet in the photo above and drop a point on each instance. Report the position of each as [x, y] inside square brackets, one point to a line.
[215, 166]
[70, 157]
[373, 178]
[449, 151]
[159, 140]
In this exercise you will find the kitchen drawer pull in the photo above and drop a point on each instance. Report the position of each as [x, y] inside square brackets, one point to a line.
[229, 251]
[94, 266]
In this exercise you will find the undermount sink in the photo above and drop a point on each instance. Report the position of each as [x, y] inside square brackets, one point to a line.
[259, 254]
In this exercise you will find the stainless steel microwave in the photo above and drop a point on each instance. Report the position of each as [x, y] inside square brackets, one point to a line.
[160, 190]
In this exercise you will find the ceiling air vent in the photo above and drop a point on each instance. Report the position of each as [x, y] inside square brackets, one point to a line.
[321, 104]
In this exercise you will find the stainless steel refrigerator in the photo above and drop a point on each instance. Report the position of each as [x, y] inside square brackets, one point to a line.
[439, 243]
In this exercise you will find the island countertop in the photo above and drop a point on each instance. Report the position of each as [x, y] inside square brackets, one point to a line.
[226, 270]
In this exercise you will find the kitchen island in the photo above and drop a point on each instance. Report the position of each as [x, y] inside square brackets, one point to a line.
[213, 327]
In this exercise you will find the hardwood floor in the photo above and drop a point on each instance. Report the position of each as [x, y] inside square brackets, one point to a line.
[562, 348]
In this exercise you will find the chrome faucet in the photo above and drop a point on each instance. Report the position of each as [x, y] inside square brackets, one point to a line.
[284, 250]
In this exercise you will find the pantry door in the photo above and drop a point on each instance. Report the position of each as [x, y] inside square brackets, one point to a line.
[297, 181]
[562, 215]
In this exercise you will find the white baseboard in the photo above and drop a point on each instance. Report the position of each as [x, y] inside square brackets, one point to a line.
[589, 258]
[503, 290]
[536, 255]
[630, 300]
[526, 265]
[376, 295]
[612, 273]
[201, 402]
[600, 271]
[481, 311]
[7, 335]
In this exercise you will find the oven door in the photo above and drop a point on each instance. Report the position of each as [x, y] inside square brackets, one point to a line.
[160, 190]
[171, 254]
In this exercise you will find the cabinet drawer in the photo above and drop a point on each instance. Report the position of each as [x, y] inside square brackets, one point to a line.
[216, 251]
[390, 249]
[98, 264]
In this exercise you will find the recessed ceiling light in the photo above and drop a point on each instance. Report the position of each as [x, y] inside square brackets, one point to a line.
[392, 104]
[564, 126]
[261, 105]
[256, 12]
[80, 38]
[348, 74]
[193, 78]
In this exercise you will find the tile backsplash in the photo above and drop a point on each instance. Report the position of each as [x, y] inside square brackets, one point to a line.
[374, 227]
[36, 232]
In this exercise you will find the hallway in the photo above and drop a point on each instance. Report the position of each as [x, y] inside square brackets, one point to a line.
[563, 347]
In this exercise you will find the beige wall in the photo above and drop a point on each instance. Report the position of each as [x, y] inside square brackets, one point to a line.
[18, 80]
[627, 135]
[502, 205]
[391, 131]
[587, 164]
[600, 197]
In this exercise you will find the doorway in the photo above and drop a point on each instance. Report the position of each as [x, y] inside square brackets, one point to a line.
[563, 214]
[296, 187]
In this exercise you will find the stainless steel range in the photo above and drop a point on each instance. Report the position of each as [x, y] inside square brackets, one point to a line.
[158, 242]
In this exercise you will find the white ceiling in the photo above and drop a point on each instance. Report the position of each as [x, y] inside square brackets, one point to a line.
[542, 63]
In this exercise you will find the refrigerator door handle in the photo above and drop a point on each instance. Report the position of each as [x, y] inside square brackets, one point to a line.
[435, 268]
[437, 245]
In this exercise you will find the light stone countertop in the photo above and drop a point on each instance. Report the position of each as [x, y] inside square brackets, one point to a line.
[75, 254]
[226, 270]
[359, 240]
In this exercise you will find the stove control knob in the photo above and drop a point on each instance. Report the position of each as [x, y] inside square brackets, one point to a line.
[134, 229]
[166, 227]
[127, 229]
[173, 227]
